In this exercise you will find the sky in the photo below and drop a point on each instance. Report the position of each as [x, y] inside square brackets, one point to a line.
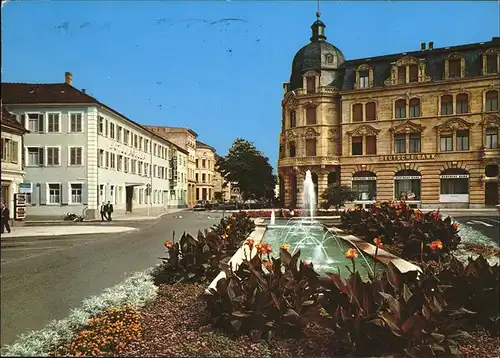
[181, 64]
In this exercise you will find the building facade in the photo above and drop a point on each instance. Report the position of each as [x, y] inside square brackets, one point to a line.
[12, 159]
[205, 171]
[421, 126]
[80, 153]
[186, 139]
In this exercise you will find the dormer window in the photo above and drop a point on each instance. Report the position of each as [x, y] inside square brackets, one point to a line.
[492, 63]
[364, 77]
[311, 84]
[454, 68]
[401, 75]
[407, 70]
[413, 73]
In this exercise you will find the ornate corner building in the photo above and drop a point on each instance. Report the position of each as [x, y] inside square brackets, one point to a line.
[421, 126]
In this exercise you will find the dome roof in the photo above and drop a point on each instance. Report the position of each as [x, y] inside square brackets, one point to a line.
[319, 56]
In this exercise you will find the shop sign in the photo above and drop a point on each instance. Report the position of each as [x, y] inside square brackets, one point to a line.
[456, 176]
[408, 177]
[25, 188]
[363, 178]
[405, 157]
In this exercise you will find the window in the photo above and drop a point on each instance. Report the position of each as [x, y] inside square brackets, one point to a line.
[491, 101]
[413, 73]
[119, 133]
[311, 147]
[291, 148]
[120, 162]
[407, 185]
[462, 137]
[414, 108]
[35, 156]
[401, 75]
[311, 115]
[491, 170]
[126, 135]
[447, 104]
[293, 119]
[135, 140]
[371, 144]
[446, 142]
[203, 163]
[112, 130]
[357, 146]
[75, 123]
[101, 157]
[75, 156]
[491, 140]
[53, 122]
[454, 182]
[76, 193]
[454, 67]
[364, 77]
[53, 156]
[371, 111]
[400, 107]
[197, 163]
[10, 152]
[357, 112]
[364, 184]
[400, 143]
[414, 143]
[100, 127]
[462, 103]
[54, 194]
[203, 177]
[492, 63]
[35, 122]
[311, 84]
[112, 160]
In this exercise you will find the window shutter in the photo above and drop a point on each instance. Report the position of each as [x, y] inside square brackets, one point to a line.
[35, 194]
[357, 110]
[370, 111]
[41, 156]
[40, 123]
[43, 193]
[64, 193]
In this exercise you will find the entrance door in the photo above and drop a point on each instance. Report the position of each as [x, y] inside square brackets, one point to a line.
[129, 195]
[491, 193]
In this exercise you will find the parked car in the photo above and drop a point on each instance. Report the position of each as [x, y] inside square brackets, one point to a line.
[200, 206]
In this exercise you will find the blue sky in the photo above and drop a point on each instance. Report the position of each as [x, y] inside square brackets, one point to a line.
[157, 63]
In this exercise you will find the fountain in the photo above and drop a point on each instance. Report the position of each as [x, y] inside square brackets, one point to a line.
[273, 218]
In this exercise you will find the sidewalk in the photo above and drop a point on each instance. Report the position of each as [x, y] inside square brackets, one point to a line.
[60, 230]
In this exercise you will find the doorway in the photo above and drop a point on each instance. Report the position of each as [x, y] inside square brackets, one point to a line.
[129, 195]
[491, 193]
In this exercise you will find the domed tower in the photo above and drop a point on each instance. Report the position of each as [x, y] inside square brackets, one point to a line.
[310, 130]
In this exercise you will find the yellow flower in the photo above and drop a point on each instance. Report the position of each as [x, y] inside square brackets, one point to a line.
[285, 246]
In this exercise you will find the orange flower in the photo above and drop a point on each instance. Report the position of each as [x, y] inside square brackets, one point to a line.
[436, 245]
[168, 244]
[455, 225]
[378, 242]
[352, 253]
[249, 242]
[268, 264]
[285, 246]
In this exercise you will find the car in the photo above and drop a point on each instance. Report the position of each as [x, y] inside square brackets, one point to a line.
[200, 206]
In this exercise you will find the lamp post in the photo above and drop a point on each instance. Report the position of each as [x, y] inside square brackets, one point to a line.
[148, 193]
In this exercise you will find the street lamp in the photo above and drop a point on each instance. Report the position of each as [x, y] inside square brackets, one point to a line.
[148, 193]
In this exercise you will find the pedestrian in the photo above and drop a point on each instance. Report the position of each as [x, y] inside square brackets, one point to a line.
[109, 210]
[103, 212]
[5, 218]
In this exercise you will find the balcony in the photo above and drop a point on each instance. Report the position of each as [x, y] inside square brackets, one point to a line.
[318, 90]
[488, 153]
[330, 160]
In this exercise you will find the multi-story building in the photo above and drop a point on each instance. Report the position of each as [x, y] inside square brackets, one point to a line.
[80, 153]
[420, 125]
[205, 171]
[12, 158]
[186, 139]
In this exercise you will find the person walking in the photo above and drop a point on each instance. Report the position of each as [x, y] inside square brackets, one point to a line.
[103, 212]
[109, 210]
[5, 218]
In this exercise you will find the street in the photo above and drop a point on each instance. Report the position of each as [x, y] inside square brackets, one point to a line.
[488, 226]
[43, 278]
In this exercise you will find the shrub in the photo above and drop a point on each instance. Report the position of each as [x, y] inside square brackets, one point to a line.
[337, 195]
[262, 298]
[234, 229]
[105, 335]
[411, 230]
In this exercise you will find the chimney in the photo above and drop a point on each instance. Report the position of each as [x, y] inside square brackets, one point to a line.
[422, 46]
[68, 78]
[431, 45]
[84, 90]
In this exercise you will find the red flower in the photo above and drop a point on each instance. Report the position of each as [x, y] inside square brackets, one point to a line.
[168, 244]
[378, 242]
[249, 242]
[436, 245]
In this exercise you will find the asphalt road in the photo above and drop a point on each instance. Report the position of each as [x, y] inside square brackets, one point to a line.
[487, 225]
[43, 278]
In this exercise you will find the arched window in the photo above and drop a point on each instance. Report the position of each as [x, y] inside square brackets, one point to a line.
[371, 111]
[491, 170]
[364, 184]
[447, 104]
[400, 109]
[491, 101]
[407, 185]
[454, 186]
[414, 108]
[462, 103]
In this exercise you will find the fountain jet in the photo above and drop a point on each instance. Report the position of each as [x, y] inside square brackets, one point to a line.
[309, 195]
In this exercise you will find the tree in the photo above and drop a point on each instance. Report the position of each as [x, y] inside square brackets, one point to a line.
[249, 169]
[337, 195]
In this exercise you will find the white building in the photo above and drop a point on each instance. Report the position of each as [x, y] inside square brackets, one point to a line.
[12, 162]
[81, 153]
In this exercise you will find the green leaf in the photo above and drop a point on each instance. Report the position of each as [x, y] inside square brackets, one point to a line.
[291, 313]
[437, 348]
[392, 322]
[406, 293]
[393, 303]
[438, 337]
[308, 303]
[240, 314]
[460, 334]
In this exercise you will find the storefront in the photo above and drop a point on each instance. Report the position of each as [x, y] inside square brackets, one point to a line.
[454, 186]
[407, 186]
[364, 184]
